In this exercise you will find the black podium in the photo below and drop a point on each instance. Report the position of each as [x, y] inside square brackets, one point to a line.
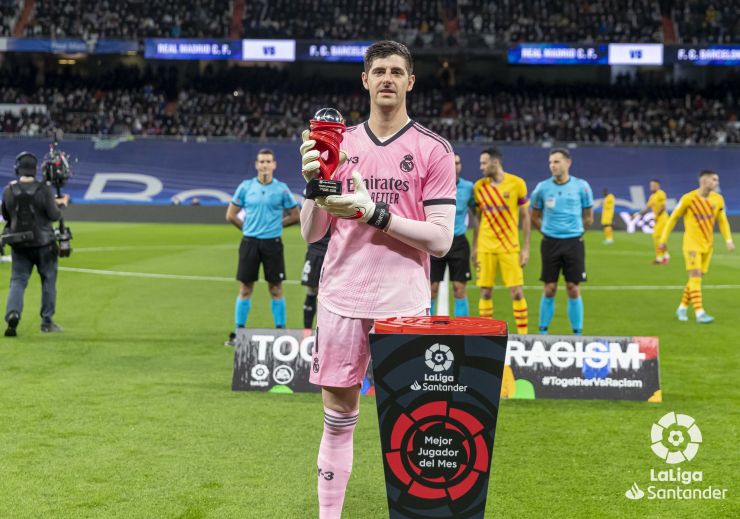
[437, 383]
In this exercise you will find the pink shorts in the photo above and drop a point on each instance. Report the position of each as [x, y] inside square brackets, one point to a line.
[341, 351]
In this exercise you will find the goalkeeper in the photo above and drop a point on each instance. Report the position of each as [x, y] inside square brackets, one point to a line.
[383, 230]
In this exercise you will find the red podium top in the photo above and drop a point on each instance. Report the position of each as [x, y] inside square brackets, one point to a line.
[441, 325]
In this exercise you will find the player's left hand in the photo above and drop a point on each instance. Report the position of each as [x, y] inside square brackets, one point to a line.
[523, 257]
[730, 245]
[354, 206]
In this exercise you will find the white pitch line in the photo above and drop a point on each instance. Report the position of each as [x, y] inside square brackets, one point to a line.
[150, 275]
[145, 247]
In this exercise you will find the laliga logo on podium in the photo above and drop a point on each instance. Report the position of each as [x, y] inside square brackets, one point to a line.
[675, 438]
[438, 357]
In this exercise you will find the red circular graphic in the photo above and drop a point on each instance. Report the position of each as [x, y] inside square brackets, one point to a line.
[438, 451]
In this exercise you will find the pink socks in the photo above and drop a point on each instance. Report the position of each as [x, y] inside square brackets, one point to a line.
[335, 461]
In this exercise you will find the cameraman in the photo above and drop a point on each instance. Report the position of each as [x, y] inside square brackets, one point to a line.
[29, 207]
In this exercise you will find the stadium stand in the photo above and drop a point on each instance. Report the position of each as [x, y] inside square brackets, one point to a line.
[130, 19]
[508, 22]
[130, 101]
[9, 10]
[707, 22]
[421, 23]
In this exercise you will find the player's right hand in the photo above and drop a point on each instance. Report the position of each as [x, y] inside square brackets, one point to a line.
[310, 163]
[309, 157]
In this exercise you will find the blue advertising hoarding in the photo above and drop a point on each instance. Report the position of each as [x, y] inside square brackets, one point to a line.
[557, 54]
[160, 171]
[162, 48]
[723, 55]
[353, 51]
[68, 46]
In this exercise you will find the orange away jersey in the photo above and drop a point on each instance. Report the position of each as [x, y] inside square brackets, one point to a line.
[699, 215]
[656, 203]
[499, 213]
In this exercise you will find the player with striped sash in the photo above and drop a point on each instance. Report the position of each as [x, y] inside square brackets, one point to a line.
[501, 201]
[700, 209]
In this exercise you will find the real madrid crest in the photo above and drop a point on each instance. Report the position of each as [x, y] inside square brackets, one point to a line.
[407, 164]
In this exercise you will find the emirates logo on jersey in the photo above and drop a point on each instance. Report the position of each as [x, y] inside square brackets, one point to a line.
[407, 164]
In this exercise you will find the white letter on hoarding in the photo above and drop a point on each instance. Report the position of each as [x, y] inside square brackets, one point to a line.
[294, 347]
[562, 354]
[262, 342]
[307, 348]
[626, 360]
[597, 355]
[95, 191]
[539, 355]
[515, 350]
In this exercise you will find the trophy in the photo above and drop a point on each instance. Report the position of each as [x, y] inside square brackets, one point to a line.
[326, 129]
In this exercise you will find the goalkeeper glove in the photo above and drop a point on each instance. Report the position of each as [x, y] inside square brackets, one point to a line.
[310, 162]
[357, 206]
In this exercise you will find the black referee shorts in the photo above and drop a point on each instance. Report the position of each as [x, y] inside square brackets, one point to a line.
[268, 252]
[458, 258]
[568, 255]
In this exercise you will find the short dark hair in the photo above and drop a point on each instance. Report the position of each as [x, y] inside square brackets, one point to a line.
[705, 172]
[494, 152]
[655, 180]
[266, 151]
[564, 152]
[385, 48]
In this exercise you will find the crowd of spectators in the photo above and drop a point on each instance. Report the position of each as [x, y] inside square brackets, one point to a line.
[417, 22]
[8, 15]
[700, 21]
[130, 19]
[422, 23]
[476, 22]
[587, 21]
[267, 104]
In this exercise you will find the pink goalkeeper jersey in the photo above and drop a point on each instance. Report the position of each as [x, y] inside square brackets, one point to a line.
[366, 273]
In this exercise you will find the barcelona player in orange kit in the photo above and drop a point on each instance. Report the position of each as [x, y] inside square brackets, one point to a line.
[700, 209]
[501, 199]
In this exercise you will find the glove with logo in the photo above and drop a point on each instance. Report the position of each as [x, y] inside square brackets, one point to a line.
[310, 157]
[357, 205]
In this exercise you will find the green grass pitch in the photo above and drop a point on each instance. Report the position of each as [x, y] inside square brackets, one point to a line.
[129, 412]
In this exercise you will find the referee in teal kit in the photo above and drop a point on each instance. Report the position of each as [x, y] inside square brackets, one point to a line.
[265, 201]
[562, 209]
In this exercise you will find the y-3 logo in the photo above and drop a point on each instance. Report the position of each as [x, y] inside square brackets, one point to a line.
[353, 160]
[326, 475]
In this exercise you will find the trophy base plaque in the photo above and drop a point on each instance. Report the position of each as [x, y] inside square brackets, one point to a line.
[320, 187]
